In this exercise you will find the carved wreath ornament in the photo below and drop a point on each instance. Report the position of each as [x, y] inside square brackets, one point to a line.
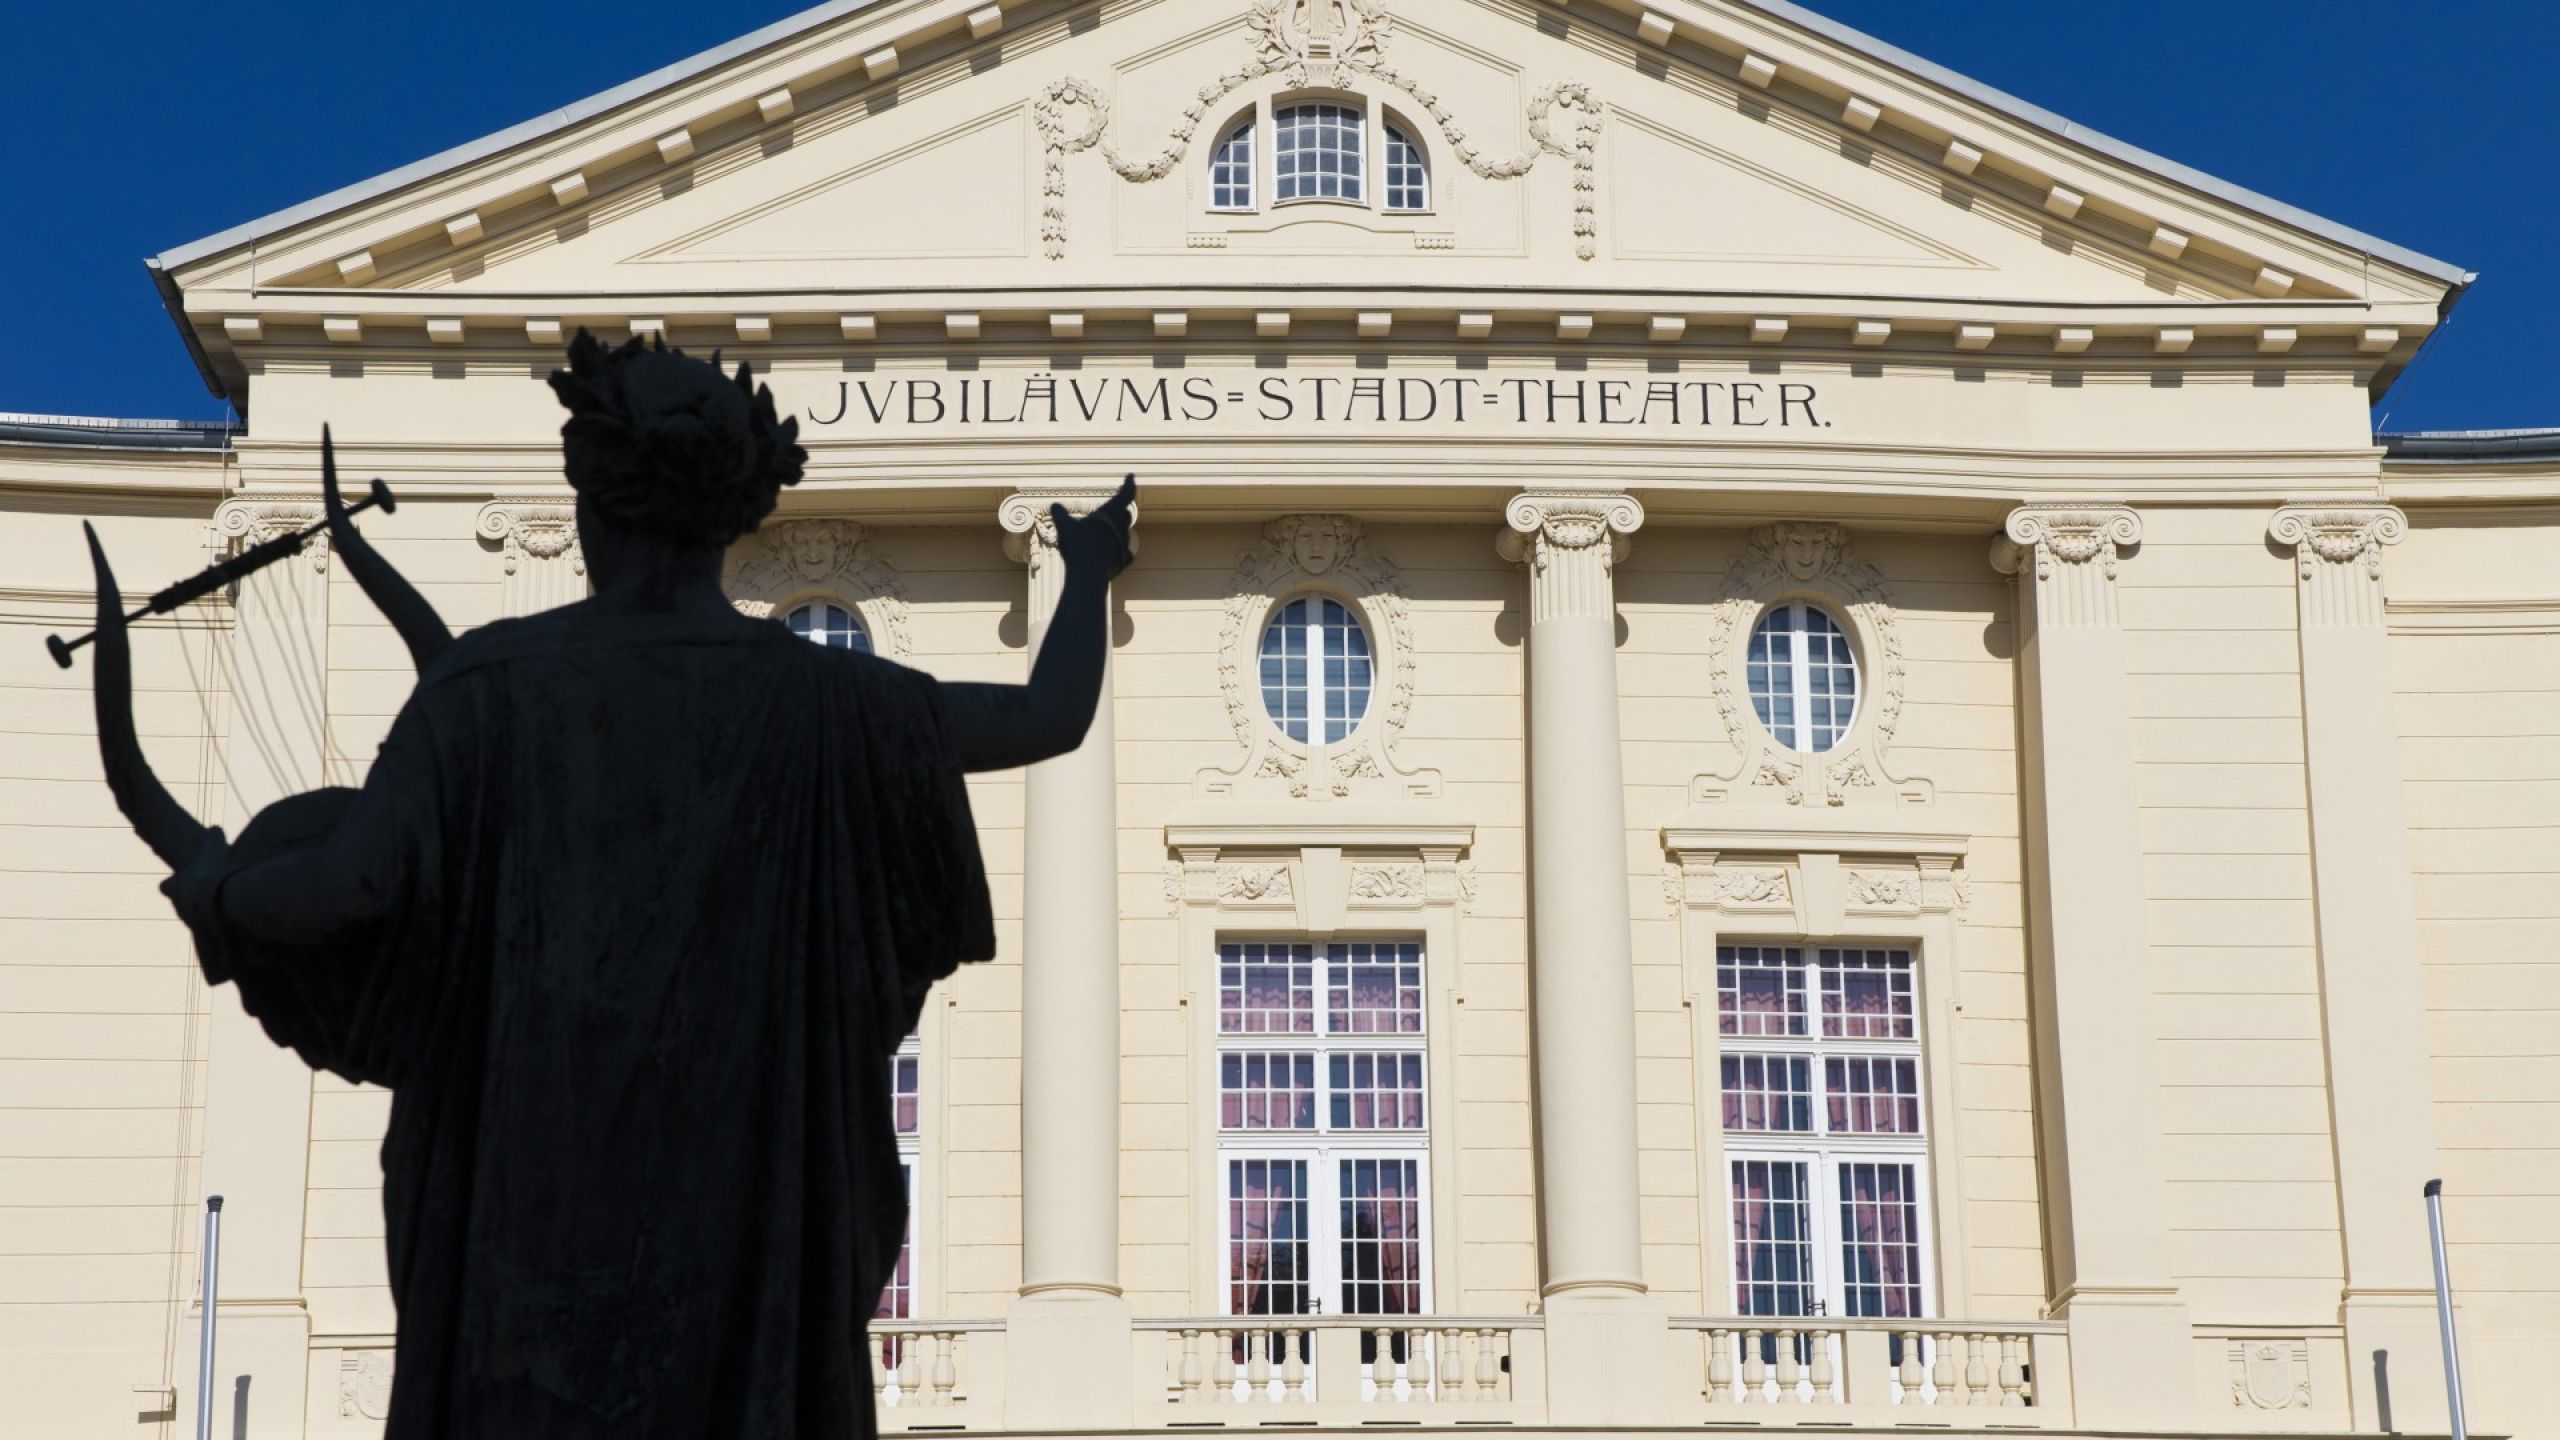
[793, 561]
[1307, 43]
[1330, 554]
[1810, 560]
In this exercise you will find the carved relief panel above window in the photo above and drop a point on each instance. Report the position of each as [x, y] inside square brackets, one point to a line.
[1805, 659]
[1316, 662]
[827, 579]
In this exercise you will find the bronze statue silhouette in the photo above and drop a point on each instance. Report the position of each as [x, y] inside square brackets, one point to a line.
[630, 913]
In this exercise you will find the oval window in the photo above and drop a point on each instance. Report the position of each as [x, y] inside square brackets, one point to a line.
[1803, 676]
[1315, 669]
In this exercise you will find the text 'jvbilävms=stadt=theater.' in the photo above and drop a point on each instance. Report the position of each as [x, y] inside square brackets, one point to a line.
[1781, 753]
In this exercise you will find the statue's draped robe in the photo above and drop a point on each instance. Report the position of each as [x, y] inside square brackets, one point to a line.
[660, 896]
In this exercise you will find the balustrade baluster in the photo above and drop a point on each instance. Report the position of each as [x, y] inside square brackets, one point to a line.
[946, 1365]
[1789, 1371]
[1909, 1374]
[1186, 1374]
[1488, 1367]
[1942, 1373]
[1382, 1363]
[1257, 1370]
[2013, 1370]
[1222, 1367]
[1824, 1375]
[1293, 1364]
[1755, 1368]
[879, 1369]
[1720, 1367]
[910, 1371]
[1977, 1372]
[1449, 1368]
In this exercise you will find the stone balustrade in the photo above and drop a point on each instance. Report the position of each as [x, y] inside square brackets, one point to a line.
[921, 1367]
[1323, 1360]
[1851, 1365]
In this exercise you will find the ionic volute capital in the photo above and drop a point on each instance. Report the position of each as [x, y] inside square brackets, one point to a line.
[2338, 535]
[1031, 535]
[533, 527]
[246, 521]
[2065, 535]
[1545, 523]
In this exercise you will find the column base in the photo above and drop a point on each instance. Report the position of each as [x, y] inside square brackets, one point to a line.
[2395, 1362]
[1608, 1359]
[261, 1370]
[2133, 1363]
[1067, 1362]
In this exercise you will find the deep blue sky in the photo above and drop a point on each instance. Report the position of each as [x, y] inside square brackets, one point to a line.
[133, 127]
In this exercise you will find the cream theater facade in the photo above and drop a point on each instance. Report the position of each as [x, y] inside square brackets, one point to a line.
[1781, 753]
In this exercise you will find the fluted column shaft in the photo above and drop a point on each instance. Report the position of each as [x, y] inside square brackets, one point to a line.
[2381, 1111]
[1584, 969]
[1070, 967]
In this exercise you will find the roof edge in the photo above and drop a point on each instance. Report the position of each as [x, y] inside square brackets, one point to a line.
[98, 432]
[2104, 144]
[487, 145]
[2471, 446]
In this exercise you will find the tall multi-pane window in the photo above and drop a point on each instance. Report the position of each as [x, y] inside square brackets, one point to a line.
[897, 1298]
[1323, 1129]
[1803, 676]
[1408, 182]
[1823, 1133]
[1231, 170]
[1317, 154]
[1316, 669]
[829, 624]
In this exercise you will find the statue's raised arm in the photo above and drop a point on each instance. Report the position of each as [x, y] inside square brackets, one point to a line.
[997, 727]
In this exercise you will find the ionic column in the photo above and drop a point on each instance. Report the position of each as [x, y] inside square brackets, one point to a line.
[1604, 1353]
[2097, 1054]
[257, 1102]
[545, 564]
[2373, 1002]
[1069, 1346]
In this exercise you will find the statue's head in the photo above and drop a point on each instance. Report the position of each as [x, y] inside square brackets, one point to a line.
[666, 444]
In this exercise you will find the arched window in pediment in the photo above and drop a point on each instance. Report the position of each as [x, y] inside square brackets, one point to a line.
[1231, 169]
[1317, 152]
[1406, 175]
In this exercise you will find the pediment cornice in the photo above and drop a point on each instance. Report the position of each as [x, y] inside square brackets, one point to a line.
[395, 258]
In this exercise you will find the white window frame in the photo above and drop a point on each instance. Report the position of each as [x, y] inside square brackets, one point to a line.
[1799, 676]
[1356, 619]
[1362, 121]
[1387, 123]
[1251, 128]
[1323, 1149]
[816, 604]
[1819, 1148]
[910, 1163]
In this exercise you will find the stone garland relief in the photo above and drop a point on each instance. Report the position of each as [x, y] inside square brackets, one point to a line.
[1810, 560]
[797, 560]
[1330, 554]
[1309, 43]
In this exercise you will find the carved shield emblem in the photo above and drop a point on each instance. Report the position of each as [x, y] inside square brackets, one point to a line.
[2270, 1374]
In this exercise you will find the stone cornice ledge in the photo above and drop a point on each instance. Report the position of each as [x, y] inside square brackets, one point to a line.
[1418, 826]
[1697, 832]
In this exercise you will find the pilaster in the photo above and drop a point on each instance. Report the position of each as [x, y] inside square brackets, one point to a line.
[2380, 1096]
[2098, 1067]
[257, 1106]
[538, 534]
[1068, 1344]
[1599, 1329]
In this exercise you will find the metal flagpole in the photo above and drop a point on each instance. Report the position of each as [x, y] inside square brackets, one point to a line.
[203, 1361]
[2444, 1310]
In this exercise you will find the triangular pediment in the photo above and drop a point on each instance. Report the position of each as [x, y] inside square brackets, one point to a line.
[1609, 147]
